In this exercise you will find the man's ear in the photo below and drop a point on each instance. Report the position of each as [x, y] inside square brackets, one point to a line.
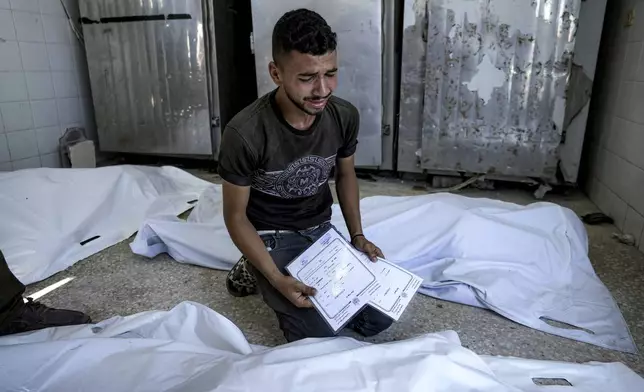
[275, 73]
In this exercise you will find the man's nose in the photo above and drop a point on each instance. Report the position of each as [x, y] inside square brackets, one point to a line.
[321, 88]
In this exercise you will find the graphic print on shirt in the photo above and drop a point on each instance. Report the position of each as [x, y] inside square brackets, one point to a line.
[302, 178]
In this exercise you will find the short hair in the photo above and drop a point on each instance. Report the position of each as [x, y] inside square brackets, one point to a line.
[304, 31]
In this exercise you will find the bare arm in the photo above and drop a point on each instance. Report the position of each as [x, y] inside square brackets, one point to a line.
[346, 184]
[244, 234]
[247, 240]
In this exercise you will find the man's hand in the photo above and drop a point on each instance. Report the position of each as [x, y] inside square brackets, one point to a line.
[295, 291]
[363, 244]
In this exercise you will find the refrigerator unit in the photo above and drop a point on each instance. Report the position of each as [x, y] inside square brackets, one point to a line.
[500, 87]
[166, 74]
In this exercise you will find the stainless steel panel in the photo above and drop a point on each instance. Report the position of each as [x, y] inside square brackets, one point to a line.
[390, 82]
[149, 78]
[494, 84]
[358, 25]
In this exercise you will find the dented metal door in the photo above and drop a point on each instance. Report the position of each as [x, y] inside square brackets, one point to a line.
[484, 85]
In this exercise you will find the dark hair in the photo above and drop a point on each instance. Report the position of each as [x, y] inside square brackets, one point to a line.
[304, 31]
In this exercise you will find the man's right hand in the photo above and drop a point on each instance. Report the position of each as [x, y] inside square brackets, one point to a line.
[295, 291]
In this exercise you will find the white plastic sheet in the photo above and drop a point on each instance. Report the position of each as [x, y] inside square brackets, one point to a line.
[525, 263]
[193, 348]
[48, 214]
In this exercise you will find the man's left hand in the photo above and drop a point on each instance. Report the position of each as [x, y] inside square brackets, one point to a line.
[363, 244]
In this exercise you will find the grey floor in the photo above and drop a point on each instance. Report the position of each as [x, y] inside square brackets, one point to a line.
[117, 282]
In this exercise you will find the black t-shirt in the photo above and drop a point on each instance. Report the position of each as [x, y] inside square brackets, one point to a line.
[287, 169]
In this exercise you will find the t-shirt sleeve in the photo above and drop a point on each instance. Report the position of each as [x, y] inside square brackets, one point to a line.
[350, 134]
[237, 161]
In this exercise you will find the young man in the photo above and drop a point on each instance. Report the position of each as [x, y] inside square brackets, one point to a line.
[276, 157]
[17, 316]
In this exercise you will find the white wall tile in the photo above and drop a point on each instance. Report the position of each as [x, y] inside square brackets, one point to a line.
[39, 85]
[25, 5]
[4, 149]
[13, 87]
[4, 4]
[29, 163]
[52, 7]
[10, 56]
[1, 123]
[22, 144]
[7, 31]
[16, 116]
[637, 103]
[608, 202]
[626, 139]
[634, 194]
[631, 61]
[34, 56]
[65, 84]
[51, 160]
[28, 27]
[45, 113]
[624, 99]
[640, 70]
[69, 110]
[636, 32]
[6, 166]
[48, 139]
[56, 29]
[61, 57]
[634, 224]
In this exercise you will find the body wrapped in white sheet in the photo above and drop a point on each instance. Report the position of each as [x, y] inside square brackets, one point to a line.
[52, 218]
[526, 263]
[192, 348]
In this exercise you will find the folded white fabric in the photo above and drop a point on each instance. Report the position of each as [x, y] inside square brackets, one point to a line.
[52, 218]
[529, 264]
[193, 348]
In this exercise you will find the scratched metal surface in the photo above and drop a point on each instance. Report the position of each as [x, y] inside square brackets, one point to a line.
[358, 25]
[484, 85]
[149, 78]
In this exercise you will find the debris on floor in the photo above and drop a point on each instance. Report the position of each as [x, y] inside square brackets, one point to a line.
[597, 218]
[625, 239]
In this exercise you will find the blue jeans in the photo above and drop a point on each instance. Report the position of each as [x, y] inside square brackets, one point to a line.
[300, 323]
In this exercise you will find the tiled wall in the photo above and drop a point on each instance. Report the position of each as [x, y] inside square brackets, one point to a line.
[44, 84]
[615, 179]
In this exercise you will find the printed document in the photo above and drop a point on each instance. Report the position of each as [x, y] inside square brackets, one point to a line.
[346, 281]
[342, 279]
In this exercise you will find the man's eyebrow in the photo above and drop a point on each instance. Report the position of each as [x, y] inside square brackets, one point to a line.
[306, 74]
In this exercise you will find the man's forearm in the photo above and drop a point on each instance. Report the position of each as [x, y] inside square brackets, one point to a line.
[349, 197]
[247, 240]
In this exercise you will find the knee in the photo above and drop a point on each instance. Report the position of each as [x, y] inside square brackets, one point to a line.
[373, 323]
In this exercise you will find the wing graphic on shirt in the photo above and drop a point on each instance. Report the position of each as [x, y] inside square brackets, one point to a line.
[301, 178]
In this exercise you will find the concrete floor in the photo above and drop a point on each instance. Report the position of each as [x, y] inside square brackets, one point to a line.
[117, 282]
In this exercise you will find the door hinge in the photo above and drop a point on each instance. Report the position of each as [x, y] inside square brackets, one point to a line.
[216, 123]
[252, 43]
[386, 130]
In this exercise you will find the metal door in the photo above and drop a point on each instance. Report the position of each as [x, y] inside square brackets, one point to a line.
[358, 25]
[148, 72]
[484, 85]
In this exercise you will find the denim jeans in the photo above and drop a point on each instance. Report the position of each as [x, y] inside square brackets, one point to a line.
[299, 323]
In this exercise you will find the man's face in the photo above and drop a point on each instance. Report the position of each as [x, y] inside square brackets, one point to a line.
[307, 80]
